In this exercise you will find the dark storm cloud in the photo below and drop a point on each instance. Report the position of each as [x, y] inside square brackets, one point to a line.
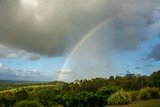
[50, 27]
[155, 53]
[6, 52]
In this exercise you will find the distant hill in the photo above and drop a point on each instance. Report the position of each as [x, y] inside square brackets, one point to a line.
[19, 81]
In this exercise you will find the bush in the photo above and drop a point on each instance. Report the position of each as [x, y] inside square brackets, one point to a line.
[155, 93]
[69, 99]
[119, 98]
[26, 103]
[103, 93]
[149, 93]
[7, 98]
[135, 95]
[80, 99]
[21, 94]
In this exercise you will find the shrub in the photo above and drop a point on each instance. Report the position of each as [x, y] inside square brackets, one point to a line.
[119, 98]
[155, 93]
[21, 94]
[85, 98]
[104, 92]
[26, 103]
[135, 95]
[149, 93]
[7, 98]
[80, 99]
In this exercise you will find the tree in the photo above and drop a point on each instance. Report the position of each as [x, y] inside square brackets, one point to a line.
[155, 79]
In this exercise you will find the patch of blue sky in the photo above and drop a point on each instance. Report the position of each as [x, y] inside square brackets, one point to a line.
[43, 65]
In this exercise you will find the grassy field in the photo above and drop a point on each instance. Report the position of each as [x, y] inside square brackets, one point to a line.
[148, 103]
[33, 86]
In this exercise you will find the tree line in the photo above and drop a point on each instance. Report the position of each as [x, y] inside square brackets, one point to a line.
[96, 92]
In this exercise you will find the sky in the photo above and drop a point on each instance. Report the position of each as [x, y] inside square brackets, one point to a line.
[47, 40]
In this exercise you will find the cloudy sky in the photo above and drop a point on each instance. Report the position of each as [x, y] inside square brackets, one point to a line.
[47, 40]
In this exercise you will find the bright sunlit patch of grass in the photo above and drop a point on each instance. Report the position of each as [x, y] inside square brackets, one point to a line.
[25, 87]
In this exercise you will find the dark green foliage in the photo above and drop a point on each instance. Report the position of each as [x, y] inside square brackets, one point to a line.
[88, 85]
[86, 99]
[7, 98]
[104, 92]
[46, 96]
[65, 87]
[155, 79]
[21, 94]
[69, 99]
[120, 97]
[155, 93]
[28, 104]
[81, 99]
[131, 82]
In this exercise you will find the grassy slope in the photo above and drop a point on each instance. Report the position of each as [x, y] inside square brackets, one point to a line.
[148, 103]
[33, 86]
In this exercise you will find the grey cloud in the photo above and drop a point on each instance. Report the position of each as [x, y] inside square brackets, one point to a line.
[129, 31]
[155, 53]
[7, 71]
[34, 56]
[47, 29]
[26, 73]
[50, 27]
[137, 67]
[6, 52]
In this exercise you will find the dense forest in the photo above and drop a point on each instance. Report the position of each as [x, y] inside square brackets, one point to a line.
[96, 92]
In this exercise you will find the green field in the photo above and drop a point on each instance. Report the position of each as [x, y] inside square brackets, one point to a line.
[148, 103]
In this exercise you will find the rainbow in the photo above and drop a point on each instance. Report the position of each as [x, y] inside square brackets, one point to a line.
[85, 37]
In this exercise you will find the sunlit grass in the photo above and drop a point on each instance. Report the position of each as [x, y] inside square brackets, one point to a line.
[25, 87]
[147, 103]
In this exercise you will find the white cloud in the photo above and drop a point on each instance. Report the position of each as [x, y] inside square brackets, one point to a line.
[4, 69]
[1, 65]
[12, 74]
